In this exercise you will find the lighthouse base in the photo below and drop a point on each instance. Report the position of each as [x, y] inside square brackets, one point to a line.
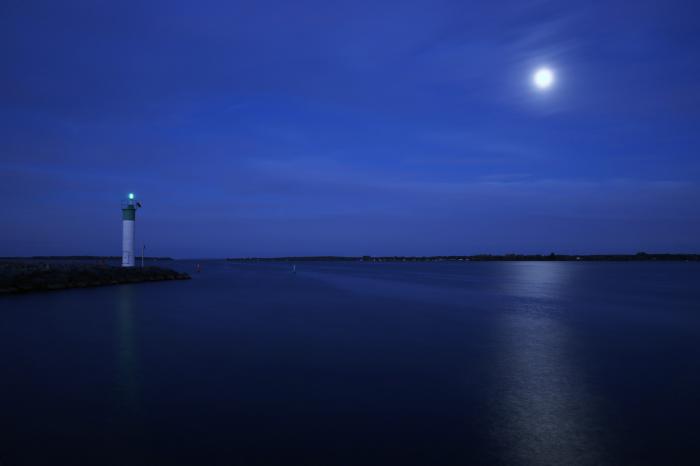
[128, 259]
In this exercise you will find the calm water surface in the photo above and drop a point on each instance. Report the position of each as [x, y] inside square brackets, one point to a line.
[359, 363]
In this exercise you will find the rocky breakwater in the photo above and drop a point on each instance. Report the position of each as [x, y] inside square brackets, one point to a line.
[20, 277]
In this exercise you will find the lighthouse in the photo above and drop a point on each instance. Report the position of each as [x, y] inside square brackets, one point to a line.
[129, 207]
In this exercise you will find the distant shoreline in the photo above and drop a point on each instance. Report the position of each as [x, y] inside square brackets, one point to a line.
[639, 257]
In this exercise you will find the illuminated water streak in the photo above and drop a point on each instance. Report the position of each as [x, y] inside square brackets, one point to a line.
[544, 414]
[126, 348]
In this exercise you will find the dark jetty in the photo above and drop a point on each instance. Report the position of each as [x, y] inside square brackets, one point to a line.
[83, 258]
[19, 277]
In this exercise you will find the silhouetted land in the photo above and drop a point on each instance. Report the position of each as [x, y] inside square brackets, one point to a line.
[83, 258]
[17, 277]
[641, 256]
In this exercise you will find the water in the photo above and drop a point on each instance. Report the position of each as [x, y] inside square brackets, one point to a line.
[533, 363]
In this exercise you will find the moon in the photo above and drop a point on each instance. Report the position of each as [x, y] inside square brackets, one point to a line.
[543, 78]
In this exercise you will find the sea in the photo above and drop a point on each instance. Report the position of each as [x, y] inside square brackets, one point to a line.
[359, 363]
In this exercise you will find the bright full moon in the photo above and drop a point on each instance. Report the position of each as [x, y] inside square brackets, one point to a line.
[543, 78]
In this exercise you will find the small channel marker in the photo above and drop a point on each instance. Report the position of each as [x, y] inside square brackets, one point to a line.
[129, 207]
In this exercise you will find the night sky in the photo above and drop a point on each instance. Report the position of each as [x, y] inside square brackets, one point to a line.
[263, 128]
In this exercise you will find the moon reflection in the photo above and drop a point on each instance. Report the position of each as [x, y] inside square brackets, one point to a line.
[545, 416]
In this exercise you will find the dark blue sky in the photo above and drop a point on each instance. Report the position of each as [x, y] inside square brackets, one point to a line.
[265, 128]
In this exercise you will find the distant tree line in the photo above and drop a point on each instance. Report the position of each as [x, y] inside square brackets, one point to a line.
[640, 256]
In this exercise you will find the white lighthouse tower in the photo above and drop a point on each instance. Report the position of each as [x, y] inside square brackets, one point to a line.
[128, 222]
